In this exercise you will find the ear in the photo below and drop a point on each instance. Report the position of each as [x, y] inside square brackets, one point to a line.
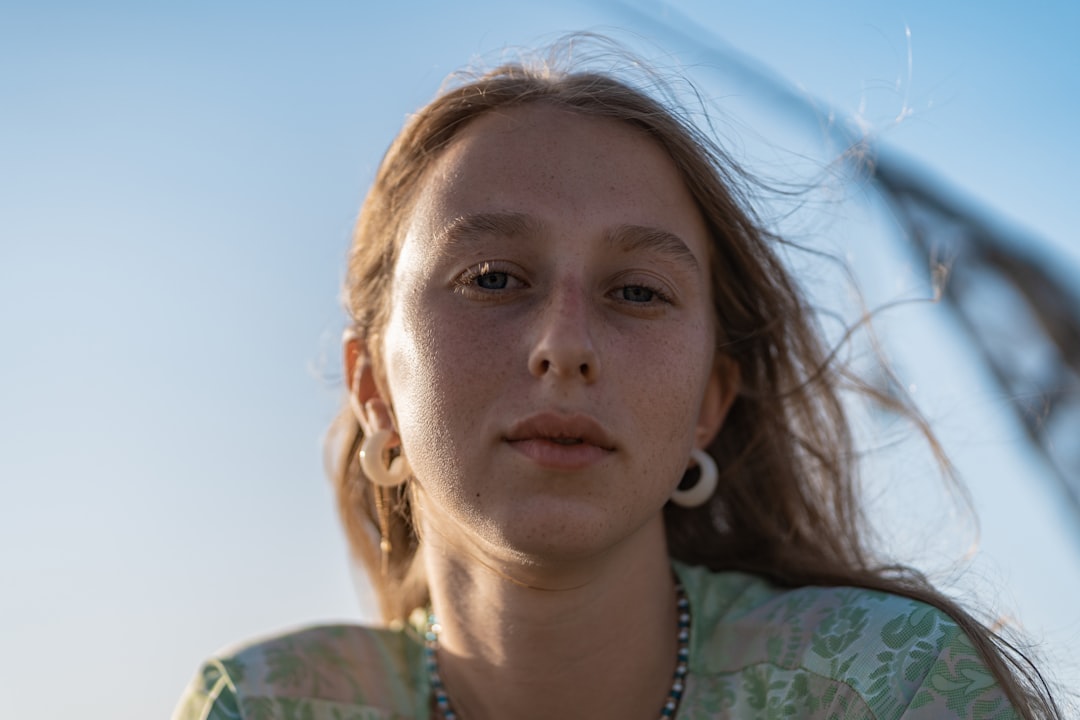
[720, 393]
[365, 398]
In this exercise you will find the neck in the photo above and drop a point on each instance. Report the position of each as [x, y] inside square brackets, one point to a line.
[589, 638]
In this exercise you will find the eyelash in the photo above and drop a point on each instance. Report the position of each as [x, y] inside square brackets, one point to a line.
[658, 294]
[466, 284]
[661, 295]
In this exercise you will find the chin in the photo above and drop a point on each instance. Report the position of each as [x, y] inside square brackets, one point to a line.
[547, 532]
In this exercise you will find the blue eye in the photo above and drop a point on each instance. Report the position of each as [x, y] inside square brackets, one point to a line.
[638, 294]
[492, 281]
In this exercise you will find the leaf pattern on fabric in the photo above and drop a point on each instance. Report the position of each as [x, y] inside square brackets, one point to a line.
[836, 633]
[260, 708]
[756, 651]
[289, 669]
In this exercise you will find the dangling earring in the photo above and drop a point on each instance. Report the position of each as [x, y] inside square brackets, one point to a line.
[383, 478]
[383, 512]
[704, 487]
[371, 461]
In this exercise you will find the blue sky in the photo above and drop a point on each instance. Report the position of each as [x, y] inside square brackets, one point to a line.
[177, 187]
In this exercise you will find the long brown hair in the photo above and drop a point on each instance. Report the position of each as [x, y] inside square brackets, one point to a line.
[786, 507]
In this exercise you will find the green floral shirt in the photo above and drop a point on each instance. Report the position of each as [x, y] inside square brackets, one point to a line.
[756, 651]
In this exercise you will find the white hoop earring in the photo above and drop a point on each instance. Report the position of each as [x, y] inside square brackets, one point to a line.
[704, 487]
[371, 461]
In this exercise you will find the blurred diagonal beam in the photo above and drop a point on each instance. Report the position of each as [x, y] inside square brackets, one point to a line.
[1021, 315]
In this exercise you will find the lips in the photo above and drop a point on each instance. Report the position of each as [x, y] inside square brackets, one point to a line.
[561, 442]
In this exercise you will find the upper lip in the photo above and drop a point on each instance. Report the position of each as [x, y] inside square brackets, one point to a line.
[558, 426]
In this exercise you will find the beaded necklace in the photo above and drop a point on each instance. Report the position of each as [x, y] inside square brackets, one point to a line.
[671, 703]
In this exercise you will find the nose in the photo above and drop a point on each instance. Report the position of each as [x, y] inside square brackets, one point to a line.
[564, 347]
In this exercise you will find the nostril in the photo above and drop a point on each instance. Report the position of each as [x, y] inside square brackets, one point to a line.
[563, 367]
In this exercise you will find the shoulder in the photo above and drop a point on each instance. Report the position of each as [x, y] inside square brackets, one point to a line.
[313, 673]
[816, 650]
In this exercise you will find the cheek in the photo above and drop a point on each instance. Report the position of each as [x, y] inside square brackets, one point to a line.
[442, 374]
[440, 352]
[669, 374]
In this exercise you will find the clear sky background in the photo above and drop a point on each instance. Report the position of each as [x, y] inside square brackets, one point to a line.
[177, 186]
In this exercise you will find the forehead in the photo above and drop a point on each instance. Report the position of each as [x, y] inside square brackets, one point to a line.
[541, 159]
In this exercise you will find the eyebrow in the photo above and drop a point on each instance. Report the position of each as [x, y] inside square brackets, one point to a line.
[502, 224]
[630, 238]
[625, 238]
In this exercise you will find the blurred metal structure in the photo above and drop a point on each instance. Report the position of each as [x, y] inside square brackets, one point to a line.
[1020, 313]
[1016, 303]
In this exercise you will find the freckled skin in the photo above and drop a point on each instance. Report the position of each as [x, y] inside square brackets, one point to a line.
[463, 365]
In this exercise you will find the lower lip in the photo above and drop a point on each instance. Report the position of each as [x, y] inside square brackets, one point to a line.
[557, 456]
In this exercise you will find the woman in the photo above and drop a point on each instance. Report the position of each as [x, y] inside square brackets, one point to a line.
[593, 435]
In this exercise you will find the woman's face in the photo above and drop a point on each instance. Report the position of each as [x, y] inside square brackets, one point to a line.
[549, 350]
